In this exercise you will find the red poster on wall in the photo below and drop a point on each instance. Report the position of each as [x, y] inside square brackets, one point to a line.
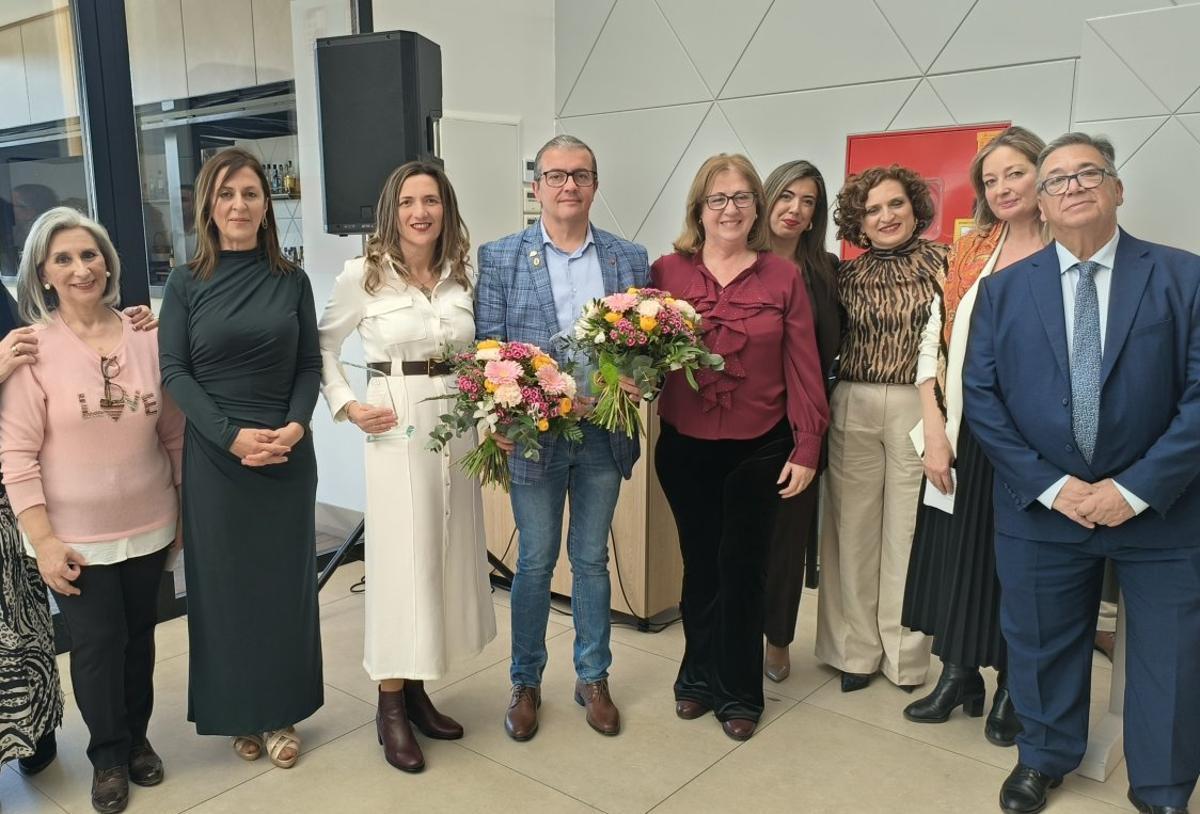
[942, 155]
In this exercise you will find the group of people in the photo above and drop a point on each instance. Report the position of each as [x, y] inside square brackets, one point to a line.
[1043, 371]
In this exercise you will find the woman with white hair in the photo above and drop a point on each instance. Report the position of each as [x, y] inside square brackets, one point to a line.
[90, 458]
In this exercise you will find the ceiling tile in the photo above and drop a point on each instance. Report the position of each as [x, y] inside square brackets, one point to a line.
[923, 109]
[665, 220]
[1009, 32]
[781, 58]
[1159, 184]
[714, 32]
[637, 63]
[632, 178]
[925, 29]
[1040, 94]
[1160, 47]
[1126, 135]
[576, 26]
[1107, 88]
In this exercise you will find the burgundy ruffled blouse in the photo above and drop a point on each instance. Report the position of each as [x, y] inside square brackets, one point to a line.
[762, 324]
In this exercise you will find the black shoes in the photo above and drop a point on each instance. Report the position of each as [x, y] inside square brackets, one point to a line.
[110, 789]
[957, 686]
[145, 766]
[1002, 726]
[43, 755]
[1024, 792]
[852, 682]
[1146, 808]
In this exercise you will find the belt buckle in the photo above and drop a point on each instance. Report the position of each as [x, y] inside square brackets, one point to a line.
[430, 364]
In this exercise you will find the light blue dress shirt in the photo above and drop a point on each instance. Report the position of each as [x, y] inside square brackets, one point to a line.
[575, 280]
[1106, 258]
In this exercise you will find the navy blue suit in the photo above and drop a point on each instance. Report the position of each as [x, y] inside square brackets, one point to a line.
[1017, 399]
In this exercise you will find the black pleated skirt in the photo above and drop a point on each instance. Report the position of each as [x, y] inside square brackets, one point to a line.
[952, 592]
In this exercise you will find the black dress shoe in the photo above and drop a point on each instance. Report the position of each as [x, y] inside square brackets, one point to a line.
[1146, 808]
[852, 682]
[957, 686]
[1002, 726]
[145, 766]
[110, 789]
[1024, 792]
[43, 755]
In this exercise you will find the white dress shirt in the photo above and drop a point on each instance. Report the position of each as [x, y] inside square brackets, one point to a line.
[1106, 258]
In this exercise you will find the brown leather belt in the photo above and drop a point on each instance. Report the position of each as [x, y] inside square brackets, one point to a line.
[424, 367]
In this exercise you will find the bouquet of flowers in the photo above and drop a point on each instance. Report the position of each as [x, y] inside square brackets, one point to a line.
[513, 389]
[643, 333]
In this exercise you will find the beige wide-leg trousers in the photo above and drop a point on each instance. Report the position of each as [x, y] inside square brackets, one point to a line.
[870, 509]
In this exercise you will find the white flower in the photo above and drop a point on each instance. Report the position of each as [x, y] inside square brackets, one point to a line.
[591, 309]
[581, 329]
[649, 308]
[686, 309]
[487, 354]
[569, 387]
[600, 338]
[508, 395]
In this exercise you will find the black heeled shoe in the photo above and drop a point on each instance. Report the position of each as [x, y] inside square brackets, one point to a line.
[43, 755]
[957, 686]
[852, 682]
[1002, 725]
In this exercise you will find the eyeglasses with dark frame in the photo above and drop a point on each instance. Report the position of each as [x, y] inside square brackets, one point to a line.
[558, 178]
[717, 202]
[114, 394]
[1089, 178]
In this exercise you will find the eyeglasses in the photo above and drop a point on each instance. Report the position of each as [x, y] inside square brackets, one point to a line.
[558, 178]
[1090, 178]
[114, 394]
[740, 199]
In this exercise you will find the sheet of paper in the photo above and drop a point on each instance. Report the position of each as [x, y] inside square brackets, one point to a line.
[936, 500]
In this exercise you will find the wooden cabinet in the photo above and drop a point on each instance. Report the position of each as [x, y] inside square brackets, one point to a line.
[14, 97]
[156, 50]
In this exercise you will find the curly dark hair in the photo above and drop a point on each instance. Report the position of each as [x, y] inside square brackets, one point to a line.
[852, 201]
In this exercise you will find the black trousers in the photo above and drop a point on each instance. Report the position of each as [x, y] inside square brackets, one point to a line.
[791, 563]
[725, 499]
[111, 623]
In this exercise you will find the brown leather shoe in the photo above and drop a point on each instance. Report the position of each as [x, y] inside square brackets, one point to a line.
[145, 766]
[400, 746]
[521, 720]
[602, 714]
[110, 789]
[425, 717]
[740, 729]
[690, 710]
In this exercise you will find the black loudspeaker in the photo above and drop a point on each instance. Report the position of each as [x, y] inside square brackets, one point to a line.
[379, 98]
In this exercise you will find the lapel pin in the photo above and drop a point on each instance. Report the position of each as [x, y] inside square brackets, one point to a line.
[534, 260]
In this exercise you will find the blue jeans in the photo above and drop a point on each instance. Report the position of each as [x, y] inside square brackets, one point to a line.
[587, 475]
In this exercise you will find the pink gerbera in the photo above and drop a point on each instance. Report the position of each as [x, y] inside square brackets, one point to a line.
[620, 302]
[501, 372]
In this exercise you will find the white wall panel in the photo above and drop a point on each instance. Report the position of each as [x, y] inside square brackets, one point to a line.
[632, 179]
[14, 97]
[1192, 105]
[637, 63]
[1192, 122]
[1161, 48]
[923, 109]
[1160, 183]
[1127, 135]
[1107, 88]
[50, 73]
[601, 217]
[665, 220]
[1007, 32]
[272, 40]
[1033, 96]
[782, 58]
[925, 28]
[715, 33]
[576, 27]
[218, 38]
[156, 62]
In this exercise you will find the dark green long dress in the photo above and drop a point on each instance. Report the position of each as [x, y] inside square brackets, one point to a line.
[241, 350]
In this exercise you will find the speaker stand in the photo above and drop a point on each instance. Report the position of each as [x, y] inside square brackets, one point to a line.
[339, 556]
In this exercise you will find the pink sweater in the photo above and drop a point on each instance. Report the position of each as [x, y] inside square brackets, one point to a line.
[102, 474]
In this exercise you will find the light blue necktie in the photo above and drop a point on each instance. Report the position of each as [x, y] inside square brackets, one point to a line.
[1085, 361]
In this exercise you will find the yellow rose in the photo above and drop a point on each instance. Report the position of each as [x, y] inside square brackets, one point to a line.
[647, 323]
[671, 300]
[564, 407]
[484, 344]
[689, 323]
[633, 289]
[543, 425]
[612, 317]
[540, 361]
[489, 386]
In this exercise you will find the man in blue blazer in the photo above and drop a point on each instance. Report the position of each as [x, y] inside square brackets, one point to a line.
[532, 287]
[1082, 382]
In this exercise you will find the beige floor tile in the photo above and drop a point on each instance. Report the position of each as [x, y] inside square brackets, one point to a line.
[197, 767]
[813, 760]
[654, 754]
[338, 587]
[19, 796]
[350, 775]
[342, 645]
